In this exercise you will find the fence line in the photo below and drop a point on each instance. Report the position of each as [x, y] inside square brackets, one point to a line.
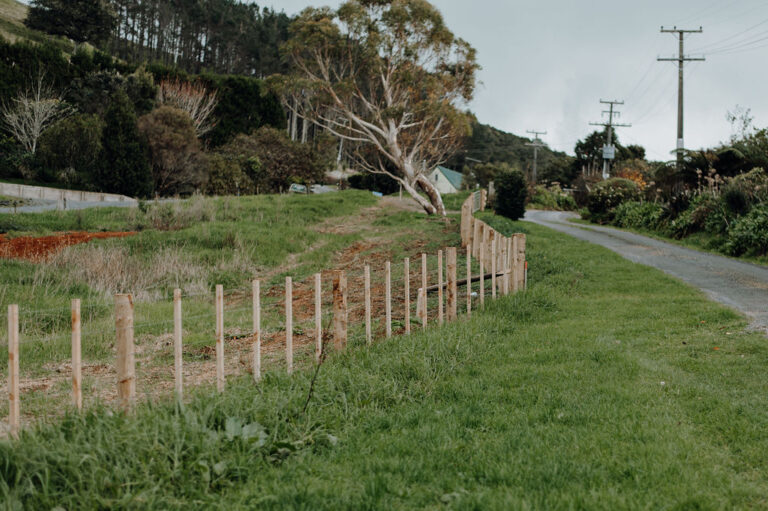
[505, 256]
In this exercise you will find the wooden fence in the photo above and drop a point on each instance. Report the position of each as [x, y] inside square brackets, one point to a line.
[500, 259]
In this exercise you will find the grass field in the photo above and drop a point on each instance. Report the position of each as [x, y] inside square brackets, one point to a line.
[195, 245]
[607, 385]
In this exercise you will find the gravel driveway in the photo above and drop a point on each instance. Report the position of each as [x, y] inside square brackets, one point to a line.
[740, 285]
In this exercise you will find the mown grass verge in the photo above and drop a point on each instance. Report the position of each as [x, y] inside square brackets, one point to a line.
[607, 385]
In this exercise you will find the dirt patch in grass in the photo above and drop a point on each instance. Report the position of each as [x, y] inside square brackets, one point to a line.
[38, 249]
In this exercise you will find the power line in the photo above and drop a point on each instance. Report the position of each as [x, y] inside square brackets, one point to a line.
[733, 36]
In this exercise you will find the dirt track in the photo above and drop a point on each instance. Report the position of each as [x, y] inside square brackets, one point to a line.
[740, 285]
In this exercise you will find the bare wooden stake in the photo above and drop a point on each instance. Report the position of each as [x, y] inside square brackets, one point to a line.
[388, 298]
[126, 365]
[220, 376]
[477, 236]
[256, 347]
[424, 270]
[407, 293]
[510, 254]
[339, 310]
[178, 375]
[14, 416]
[289, 324]
[469, 281]
[440, 287]
[452, 307]
[481, 260]
[420, 295]
[368, 330]
[521, 260]
[493, 265]
[318, 317]
[77, 361]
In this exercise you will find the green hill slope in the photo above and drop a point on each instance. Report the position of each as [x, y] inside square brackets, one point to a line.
[12, 15]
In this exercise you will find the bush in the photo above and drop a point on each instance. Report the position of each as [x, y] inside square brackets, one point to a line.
[70, 149]
[125, 168]
[225, 177]
[511, 192]
[552, 198]
[749, 234]
[374, 182]
[178, 164]
[639, 215]
[607, 195]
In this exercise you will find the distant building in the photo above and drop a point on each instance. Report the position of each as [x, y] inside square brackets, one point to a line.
[445, 179]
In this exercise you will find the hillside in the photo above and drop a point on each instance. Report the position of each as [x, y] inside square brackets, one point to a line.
[12, 29]
[489, 144]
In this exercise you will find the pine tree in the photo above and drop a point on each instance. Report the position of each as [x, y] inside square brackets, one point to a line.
[124, 160]
[80, 20]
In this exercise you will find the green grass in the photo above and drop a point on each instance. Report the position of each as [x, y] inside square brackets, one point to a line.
[12, 15]
[607, 385]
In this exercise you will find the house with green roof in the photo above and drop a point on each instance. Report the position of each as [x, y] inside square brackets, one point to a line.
[445, 179]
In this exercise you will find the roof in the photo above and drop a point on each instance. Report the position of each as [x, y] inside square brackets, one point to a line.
[453, 177]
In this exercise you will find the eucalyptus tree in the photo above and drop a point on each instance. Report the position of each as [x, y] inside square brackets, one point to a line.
[386, 74]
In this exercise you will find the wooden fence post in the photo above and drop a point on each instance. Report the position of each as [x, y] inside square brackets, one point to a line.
[388, 298]
[256, 348]
[469, 281]
[420, 307]
[318, 317]
[483, 199]
[493, 264]
[477, 236]
[368, 335]
[487, 245]
[508, 275]
[521, 259]
[289, 324]
[178, 375]
[14, 416]
[515, 263]
[77, 364]
[481, 260]
[126, 365]
[466, 223]
[503, 283]
[407, 293]
[339, 310]
[423, 315]
[451, 284]
[440, 287]
[220, 377]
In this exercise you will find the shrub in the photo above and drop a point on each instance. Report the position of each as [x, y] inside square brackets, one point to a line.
[226, 177]
[552, 198]
[70, 148]
[125, 168]
[374, 182]
[749, 234]
[607, 195]
[178, 164]
[639, 215]
[735, 200]
[511, 192]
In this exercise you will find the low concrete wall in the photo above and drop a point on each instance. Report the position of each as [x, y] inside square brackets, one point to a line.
[57, 194]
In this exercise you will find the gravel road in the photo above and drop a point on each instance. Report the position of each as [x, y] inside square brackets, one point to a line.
[740, 285]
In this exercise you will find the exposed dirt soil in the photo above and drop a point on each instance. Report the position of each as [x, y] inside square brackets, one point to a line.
[40, 248]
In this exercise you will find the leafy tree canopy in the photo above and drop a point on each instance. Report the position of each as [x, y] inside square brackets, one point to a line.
[80, 20]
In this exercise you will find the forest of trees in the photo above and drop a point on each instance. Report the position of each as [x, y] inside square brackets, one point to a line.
[222, 36]
[219, 36]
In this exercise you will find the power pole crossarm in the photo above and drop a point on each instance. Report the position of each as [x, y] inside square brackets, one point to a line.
[681, 59]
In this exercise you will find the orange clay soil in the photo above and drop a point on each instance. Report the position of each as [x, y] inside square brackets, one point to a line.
[39, 249]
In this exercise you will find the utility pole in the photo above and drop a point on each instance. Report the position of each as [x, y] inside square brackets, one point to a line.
[681, 59]
[609, 151]
[536, 144]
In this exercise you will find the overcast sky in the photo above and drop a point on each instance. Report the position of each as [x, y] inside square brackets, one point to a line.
[547, 63]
